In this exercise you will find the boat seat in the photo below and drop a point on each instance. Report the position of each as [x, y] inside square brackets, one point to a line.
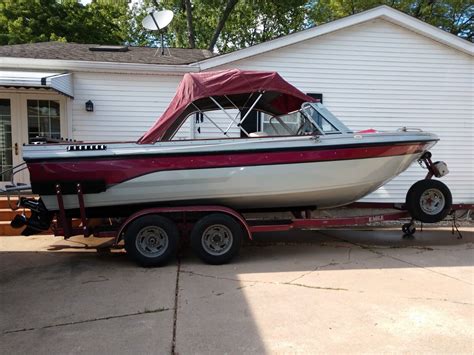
[258, 134]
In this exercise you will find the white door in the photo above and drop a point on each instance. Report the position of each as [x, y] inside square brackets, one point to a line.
[24, 117]
[10, 136]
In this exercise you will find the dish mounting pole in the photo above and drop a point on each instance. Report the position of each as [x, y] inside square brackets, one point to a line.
[161, 34]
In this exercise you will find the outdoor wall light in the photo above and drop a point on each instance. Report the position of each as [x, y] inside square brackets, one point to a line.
[89, 106]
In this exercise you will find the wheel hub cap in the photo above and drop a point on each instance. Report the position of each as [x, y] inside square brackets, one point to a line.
[152, 241]
[432, 201]
[217, 239]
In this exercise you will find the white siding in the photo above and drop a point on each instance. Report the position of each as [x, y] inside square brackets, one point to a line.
[380, 75]
[125, 105]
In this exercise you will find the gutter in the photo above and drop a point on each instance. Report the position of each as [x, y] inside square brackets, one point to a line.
[98, 67]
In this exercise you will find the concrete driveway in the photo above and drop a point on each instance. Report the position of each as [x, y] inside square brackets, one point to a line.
[331, 291]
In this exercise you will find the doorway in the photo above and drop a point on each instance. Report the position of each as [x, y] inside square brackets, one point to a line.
[24, 117]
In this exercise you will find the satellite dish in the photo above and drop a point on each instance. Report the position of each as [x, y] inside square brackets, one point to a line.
[157, 20]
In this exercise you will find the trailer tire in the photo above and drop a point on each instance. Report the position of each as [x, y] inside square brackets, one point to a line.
[216, 238]
[429, 201]
[151, 240]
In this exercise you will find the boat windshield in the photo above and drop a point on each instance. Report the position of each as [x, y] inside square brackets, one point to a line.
[312, 119]
[293, 124]
[324, 120]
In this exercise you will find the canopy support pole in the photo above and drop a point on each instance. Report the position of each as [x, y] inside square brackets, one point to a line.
[250, 109]
[228, 115]
[222, 108]
[204, 114]
[236, 116]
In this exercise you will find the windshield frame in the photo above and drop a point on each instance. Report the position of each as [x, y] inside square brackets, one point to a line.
[339, 127]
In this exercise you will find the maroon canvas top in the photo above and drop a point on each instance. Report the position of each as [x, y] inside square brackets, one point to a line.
[242, 87]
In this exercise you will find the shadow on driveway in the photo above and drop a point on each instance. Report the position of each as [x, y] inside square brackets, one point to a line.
[301, 291]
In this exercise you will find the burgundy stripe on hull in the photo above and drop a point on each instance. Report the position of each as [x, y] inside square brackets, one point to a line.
[114, 171]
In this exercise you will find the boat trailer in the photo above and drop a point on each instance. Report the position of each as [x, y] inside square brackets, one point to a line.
[211, 240]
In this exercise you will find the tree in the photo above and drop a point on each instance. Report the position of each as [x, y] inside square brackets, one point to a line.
[220, 24]
[260, 20]
[102, 22]
[454, 16]
[223, 24]
[227, 25]
[189, 21]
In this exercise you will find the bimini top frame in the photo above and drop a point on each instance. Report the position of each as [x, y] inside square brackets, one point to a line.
[227, 89]
[237, 120]
[313, 119]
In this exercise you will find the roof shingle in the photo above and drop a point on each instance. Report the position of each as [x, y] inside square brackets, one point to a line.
[76, 51]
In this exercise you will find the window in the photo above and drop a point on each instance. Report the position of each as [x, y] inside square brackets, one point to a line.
[316, 96]
[282, 126]
[6, 154]
[43, 119]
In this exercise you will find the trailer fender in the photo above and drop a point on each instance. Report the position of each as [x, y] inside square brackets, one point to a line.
[185, 209]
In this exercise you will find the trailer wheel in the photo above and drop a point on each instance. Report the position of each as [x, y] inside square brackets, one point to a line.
[216, 238]
[151, 240]
[429, 201]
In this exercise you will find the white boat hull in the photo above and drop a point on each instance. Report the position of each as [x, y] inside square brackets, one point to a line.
[320, 184]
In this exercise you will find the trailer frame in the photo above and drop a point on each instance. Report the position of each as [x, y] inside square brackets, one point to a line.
[302, 218]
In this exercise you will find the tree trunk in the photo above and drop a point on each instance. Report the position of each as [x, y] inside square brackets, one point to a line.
[225, 15]
[189, 20]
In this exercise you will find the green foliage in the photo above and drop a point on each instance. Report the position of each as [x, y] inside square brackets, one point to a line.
[25, 21]
[256, 21]
[250, 21]
[454, 16]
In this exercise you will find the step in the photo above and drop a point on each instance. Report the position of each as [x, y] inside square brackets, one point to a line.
[7, 230]
[13, 201]
[6, 214]
[4, 203]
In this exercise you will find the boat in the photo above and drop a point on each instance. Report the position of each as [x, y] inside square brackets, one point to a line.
[303, 157]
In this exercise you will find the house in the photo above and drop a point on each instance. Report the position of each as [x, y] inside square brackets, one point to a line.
[378, 69]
